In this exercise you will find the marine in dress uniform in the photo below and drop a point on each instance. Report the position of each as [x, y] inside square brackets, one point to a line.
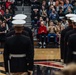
[18, 16]
[71, 52]
[25, 29]
[63, 32]
[23, 16]
[18, 53]
[71, 55]
[66, 40]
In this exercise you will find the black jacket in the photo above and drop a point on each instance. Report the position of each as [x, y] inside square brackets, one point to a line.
[66, 42]
[71, 57]
[18, 44]
[28, 30]
[11, 33]
[62, 40]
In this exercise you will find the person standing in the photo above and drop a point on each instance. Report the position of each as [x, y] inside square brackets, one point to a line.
[18, 53]
[63, 32]
[71, 54]
[70, 32]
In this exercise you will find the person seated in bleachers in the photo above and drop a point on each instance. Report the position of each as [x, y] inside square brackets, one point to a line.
[35, 5]
[1, 16]
[53, 15]
[44, 3]
[51, 31]
[67, 4]
[13, 5]
[68, 11]
[59, 28]
[3, 31]
[61, 13]
[3, 2]
[49, 10]
[11, 10]
[46, 22]
[42, 32]
[61, 4]
[8, 3]
[8, 18]
[3, 7]
[39, 21]
[1, 10]
[64, 22]
[35, 17]
[74, 8]
[43, 13]
[57, 5]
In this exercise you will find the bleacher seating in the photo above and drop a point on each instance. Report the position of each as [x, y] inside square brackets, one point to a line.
[55, 11]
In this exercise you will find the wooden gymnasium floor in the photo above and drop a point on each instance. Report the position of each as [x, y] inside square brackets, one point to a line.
[40, 54]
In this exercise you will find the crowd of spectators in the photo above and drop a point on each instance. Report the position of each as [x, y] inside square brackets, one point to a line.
[48, 18]
[7, 11]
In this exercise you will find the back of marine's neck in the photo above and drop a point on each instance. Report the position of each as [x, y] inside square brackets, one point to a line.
[18, 32]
